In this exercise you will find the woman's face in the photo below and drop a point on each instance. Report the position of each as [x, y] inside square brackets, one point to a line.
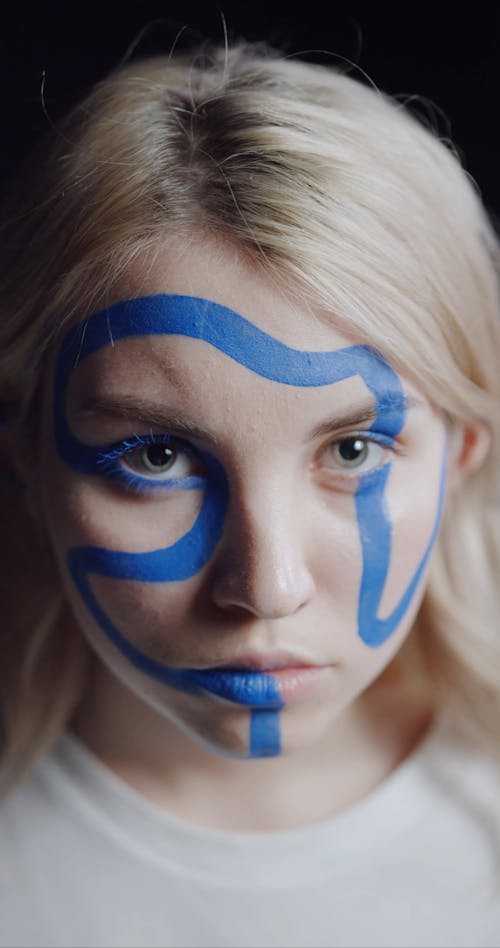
[242, 501]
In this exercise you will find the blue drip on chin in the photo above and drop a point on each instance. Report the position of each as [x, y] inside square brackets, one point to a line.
[265, 733]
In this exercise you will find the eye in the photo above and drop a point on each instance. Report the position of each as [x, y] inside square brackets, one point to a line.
[159, 458]
[354, 453]
[350, 452]
[153, 461]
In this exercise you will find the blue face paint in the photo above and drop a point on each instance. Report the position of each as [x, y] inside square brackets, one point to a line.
[375, 533]
[265, 738]
[261, 353]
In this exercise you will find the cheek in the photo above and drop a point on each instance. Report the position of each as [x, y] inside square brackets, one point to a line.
[337, 560]
[84, 511]
[159, 618]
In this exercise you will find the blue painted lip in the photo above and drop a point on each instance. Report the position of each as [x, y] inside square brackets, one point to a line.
[251, 688]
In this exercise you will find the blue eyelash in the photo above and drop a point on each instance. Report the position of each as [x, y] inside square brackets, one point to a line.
[111, 467]
[387, 441]
[372, 434]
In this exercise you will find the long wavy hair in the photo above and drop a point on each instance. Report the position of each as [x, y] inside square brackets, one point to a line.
[341, 196]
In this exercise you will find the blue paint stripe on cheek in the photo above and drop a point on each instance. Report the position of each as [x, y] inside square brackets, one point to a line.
[237, 686]
[174, 563]
[375, 534]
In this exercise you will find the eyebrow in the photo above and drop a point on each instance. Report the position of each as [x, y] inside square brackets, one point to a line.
[144, 411]
[363, 415]
[151, 414]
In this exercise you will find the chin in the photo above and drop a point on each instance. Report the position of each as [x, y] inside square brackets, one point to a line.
[252, 734]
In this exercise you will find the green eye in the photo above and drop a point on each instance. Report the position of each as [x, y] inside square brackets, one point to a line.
[350, 452]
[158, 458]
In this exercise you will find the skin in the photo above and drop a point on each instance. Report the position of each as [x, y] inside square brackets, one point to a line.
[283, 581]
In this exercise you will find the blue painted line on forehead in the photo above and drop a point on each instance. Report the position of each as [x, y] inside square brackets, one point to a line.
[233, 335]
[230, 333]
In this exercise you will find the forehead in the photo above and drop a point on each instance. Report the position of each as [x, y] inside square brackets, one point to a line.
[212, 270]
[201, 267]
[196, 323]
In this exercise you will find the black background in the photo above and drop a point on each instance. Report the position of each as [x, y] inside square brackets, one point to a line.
[449, 55]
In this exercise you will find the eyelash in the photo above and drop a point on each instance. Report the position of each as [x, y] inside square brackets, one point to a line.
[111, 466]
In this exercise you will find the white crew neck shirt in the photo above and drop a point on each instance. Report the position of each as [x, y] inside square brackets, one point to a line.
[85, 860]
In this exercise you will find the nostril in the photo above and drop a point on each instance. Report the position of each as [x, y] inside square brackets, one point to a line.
[262, 591]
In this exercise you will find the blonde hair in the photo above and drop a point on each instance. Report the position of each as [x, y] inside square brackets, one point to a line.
[337, 192]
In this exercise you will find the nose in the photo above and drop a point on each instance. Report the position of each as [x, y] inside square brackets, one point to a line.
[262, 564]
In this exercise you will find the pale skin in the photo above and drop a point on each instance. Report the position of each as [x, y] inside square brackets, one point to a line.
[283, 582]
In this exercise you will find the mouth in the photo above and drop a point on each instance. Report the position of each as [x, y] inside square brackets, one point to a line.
[270, 681]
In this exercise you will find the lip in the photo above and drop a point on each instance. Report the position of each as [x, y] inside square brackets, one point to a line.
[270, 681]
[269, 662]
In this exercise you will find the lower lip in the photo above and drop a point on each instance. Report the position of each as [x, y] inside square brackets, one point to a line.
[271, 688]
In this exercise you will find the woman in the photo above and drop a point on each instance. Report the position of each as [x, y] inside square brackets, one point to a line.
[249, 372]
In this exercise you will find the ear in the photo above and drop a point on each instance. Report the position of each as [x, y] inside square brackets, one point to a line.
[470, 443]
